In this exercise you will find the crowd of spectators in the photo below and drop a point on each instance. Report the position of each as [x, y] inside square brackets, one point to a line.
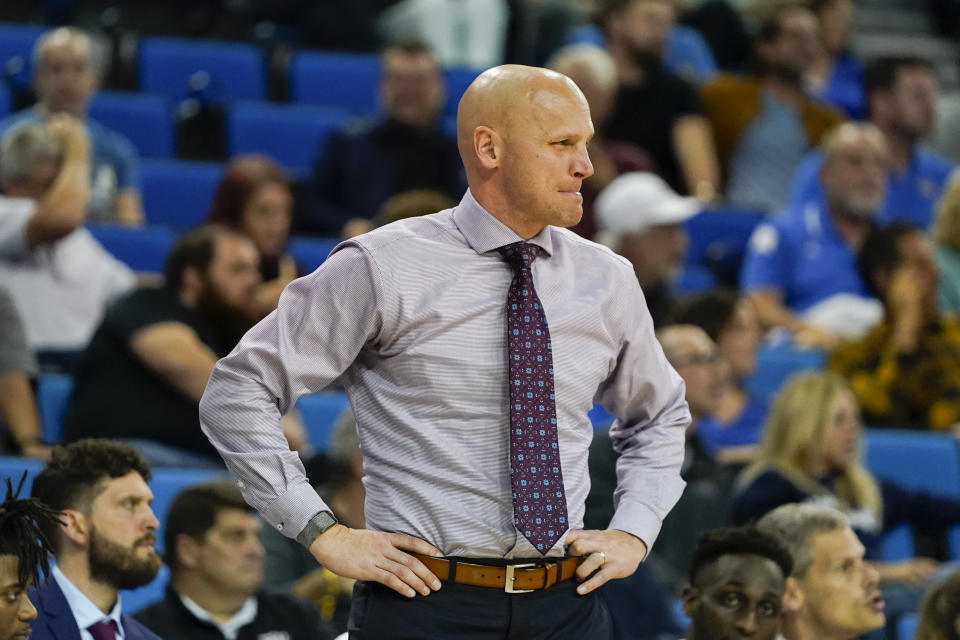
[697, 106]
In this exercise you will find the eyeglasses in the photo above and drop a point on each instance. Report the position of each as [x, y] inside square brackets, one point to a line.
[698, 357]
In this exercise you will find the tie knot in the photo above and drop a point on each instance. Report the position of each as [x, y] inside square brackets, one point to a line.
[103, 630]
[520, 254]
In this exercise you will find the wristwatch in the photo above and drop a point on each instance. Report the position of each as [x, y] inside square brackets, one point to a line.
[315, 526]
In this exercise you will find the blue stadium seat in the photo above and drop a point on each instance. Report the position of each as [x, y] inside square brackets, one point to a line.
[144, 249]
[167, 482]
[236, 71]
[347, 81]
[309, 253]
[16, 49]
[319, 412]
[53, 398]
[907, 627]
[718, 239]
[693, 278]
[600, 418]
[6, 103]
[777, 363]
[917, 460]
[457, 79]
[178, 193]
[13, 467]
[293, 135]
[145, 119]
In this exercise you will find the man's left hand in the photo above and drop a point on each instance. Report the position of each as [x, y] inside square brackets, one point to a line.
[616, 554]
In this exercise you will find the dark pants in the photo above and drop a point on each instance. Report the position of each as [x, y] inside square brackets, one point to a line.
[480, 613]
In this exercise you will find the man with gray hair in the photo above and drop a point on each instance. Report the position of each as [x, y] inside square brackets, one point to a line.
[58, 275]
[67, 67]
[832, 592]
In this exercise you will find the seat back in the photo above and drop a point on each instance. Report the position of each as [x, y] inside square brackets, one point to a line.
[145, 119]
[178, 193]
[233, 71]
[53, 398]
[144, 249]
[320, 412]
[347, 81]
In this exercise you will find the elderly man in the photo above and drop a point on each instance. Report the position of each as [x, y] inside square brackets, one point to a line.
[66, 71]
[362, 168]
[641, 218]
[473, 343]
[800, 269]
[832, 593]
[60, 278]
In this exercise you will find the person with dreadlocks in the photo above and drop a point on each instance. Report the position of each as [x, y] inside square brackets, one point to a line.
[23, 556]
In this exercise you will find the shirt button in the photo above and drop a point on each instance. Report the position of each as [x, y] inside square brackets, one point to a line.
[280, 526]
[240, 483]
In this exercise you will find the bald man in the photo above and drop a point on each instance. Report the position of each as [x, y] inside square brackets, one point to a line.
[472, 343]
[66, 73]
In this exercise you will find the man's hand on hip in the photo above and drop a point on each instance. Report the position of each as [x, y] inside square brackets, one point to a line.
[615, 553]
[377, 556]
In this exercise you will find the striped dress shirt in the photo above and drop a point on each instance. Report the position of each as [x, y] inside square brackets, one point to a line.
[412, 319]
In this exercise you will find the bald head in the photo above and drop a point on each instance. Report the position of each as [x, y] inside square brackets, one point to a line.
[65, 71]
[522, 134]
[854, 172]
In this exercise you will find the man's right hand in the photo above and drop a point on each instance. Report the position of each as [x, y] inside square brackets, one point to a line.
[69, 131]
[377, 556]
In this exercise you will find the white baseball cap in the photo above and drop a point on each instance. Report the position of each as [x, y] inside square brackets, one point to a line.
[636, 201]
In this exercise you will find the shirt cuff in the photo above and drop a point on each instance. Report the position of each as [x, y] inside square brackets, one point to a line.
[638, 520]
[290, 513]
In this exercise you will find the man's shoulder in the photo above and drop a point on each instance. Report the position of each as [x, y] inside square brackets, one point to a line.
[406, 235]
[135, 630]
[110, 140]
[20, 118]
[582, 249]
[728, 86]
[933, 165]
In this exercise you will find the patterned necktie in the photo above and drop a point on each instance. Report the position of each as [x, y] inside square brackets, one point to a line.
[103, 630]
[539, 503]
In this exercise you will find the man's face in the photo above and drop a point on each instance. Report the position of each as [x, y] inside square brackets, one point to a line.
[657, 253]
[695, 359]
[233, 274]
[266, 218]
[913, 101]
[16, 610]
[794, 49]
[646, 26]
[64, 75]
[841, 591]
[230, 558]
[411, 88]
[545, 159]
[855, 178]
[736, 596]
[122, 533]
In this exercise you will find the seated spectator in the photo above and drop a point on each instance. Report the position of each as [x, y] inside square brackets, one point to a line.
[800, 268]
[67, 67]
[655, 109]
[337, 475]
[732, 431]
[906, 371]
[836, 77]
[940, 611]
[902, 94]
[216, 567]
[736, 585]
[103, 543]
[811, 453]
[594, 72]
[147, 365]
[832, 593]
[59, 276]
[640, 217]
[254, 198]
[18, 407]
[362, 167]
[764, 123]
[24, 558]
[946, 238]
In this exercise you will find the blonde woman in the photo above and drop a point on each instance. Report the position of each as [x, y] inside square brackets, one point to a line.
[946, 237]
[811, 453]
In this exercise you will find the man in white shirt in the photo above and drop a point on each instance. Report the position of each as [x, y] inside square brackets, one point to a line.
[59, 276]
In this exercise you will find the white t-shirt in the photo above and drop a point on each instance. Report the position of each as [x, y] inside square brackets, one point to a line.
[60, 288]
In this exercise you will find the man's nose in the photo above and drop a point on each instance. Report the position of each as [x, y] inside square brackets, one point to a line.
[747, 624]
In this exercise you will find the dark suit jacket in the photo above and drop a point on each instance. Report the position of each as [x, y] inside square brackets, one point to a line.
[55, 620]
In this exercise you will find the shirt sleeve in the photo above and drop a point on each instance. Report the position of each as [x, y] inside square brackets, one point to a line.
[766, 263]
[126, 162]
[647, 397]
[320, 325]
[15, 214]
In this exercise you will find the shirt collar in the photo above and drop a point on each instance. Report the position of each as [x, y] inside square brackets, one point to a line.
[231, 628]
[484, 232]
[84, 611]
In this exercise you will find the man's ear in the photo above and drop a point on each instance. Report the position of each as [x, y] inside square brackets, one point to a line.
[192, 281]
[689, 597]
[488, 147]
[793, 598]
[187, 552]
[75, 527]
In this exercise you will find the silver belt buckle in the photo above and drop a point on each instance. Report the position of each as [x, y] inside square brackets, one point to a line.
[508, 583]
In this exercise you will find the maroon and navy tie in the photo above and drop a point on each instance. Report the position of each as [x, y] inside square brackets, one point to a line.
[539, 503]
[103, 630]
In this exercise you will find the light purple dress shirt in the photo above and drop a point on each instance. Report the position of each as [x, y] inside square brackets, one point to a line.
[412, 319]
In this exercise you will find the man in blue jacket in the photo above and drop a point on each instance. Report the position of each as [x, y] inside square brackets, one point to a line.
[104, 541]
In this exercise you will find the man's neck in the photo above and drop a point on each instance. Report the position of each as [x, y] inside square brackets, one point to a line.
[784, 90]
[900, 147]
[852, 229]
[221, 606]
[77, 571]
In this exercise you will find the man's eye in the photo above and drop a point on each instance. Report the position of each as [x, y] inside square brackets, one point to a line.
[731, 599]
[769, 609]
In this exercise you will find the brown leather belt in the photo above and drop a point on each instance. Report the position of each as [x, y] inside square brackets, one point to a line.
[512, 578]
